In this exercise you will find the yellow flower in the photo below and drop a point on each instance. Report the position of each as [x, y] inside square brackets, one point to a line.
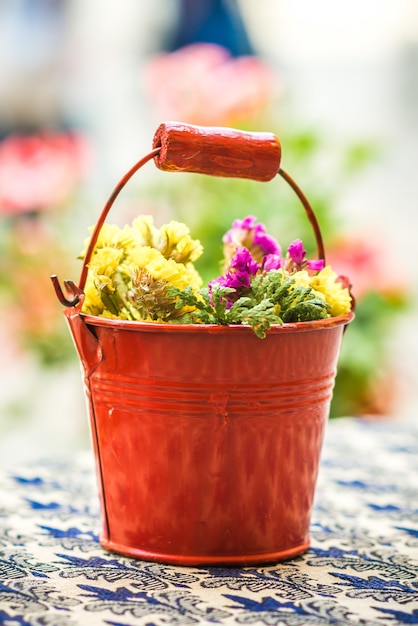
[93, 304]
[129, 279]
[152, 275]
[143, 227]
[111, 236]
[303, 279]
[101, 278]
[122, 315]
[104, 265]
[175, 242]
[337, 296]
[162, 269]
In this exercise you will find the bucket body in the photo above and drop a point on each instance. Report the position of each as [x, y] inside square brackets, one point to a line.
[207, 438]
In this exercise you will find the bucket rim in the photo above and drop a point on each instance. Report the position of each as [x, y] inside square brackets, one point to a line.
[211, 329]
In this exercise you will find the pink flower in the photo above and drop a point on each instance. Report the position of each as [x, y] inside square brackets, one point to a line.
[367, 264]
[39, 171]
[203, 84]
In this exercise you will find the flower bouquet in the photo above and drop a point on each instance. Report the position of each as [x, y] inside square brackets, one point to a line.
[146, 274]
[207, 404]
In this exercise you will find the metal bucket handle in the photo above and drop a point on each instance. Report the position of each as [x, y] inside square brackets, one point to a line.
[215, 151]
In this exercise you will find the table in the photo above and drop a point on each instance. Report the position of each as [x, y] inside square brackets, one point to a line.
[362, 567]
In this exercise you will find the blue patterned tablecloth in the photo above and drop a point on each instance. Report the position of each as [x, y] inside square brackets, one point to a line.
[362, 567]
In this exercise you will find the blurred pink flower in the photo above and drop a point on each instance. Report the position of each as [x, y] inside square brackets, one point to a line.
[39, 171]
[203, 84]
[367, 263]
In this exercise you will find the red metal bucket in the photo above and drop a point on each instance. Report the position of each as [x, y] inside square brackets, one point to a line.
[207, 439]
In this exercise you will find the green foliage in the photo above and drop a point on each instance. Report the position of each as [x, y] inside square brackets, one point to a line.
[363, 363]
[214, 309]
[294, 302]
[271, 299]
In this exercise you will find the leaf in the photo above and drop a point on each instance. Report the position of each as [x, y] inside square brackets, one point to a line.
[259, 317]
[306, 311]
[272, 299]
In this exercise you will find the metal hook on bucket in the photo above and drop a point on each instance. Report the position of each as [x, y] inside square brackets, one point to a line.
[71, 289]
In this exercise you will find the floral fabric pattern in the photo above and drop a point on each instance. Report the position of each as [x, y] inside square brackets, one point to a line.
[362, 567]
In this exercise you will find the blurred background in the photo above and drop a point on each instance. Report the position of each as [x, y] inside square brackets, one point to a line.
[83, 87]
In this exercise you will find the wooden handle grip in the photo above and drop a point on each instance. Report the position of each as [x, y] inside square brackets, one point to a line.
[217, 151]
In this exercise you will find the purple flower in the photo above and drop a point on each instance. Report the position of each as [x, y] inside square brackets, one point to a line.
[221, 281]
[247, 233]
[272, 262]
[243, 261]
[316, 265]
[238, 275]
[296, 251]
[233, 280]
[248, 222]
[295, 259]
[266, 242]
[239, 225]
[237, 280]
